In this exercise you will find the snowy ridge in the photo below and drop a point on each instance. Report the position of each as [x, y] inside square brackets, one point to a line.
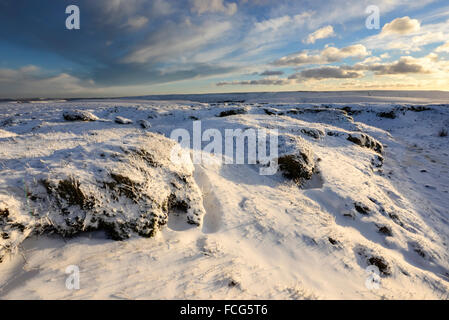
[376, 194]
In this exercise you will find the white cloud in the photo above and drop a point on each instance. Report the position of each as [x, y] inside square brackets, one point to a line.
[214, 6]
[427, 34]
[175, 42]
[401, 26]
[272, 24]
[443, 48]
[265, 82]
[328, 55]
[31, 81]
[371, 60]
[327, 73]
[322, 33]
[403, 66]
[137, 22]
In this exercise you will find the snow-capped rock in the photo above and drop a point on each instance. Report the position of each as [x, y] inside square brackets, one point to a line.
[126, 188]
[144, 124]
[79, 115]
[122, 120]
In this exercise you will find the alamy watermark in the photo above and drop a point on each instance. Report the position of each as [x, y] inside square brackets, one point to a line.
[73, 20]
[372, 282]
[73, 280]
[258, 149]
[373, 19]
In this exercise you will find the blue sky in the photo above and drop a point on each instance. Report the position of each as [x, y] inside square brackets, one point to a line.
[137, 47]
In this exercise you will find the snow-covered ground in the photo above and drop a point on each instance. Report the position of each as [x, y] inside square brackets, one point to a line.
[379, 195]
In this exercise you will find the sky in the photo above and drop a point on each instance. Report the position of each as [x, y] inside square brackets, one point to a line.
[142, 47]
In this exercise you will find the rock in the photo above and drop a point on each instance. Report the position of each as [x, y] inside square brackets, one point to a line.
[366, 141]
[11, 121]
[79, 115]
[314, 133]
[377, 161]
[270, 111]
[122, 120]
[144, 124]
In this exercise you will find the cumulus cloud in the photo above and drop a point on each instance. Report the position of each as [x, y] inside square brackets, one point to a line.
[443, 48]
[401, 26]
[156, 44]
[327, 73]
[403, 66]
[322, 33]
[214, 6]
[266, 82]
[415, 41]
[328, 55]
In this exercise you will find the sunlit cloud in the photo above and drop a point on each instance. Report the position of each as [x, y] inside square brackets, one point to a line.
[327, 55]
[139, 47]
[321, 33]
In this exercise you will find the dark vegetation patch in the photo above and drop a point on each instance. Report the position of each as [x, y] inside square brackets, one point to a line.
[420, 252]
[124, 187]
[361, 208]
[389, 115]
[145, 155]
[418, 108]
[314, 133]
[294, 111]
[380, 263]
[232, 112]
[269, 112]
[395, 218]
[176, 205]
[70, 191]
[366, 141]
[443, 133]
[350, 111]
[334, 134]
[386, 231]
[296, 167]
[231, 101]
[333, 241]
[4, 213]
[371, 259]
[377, 161]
